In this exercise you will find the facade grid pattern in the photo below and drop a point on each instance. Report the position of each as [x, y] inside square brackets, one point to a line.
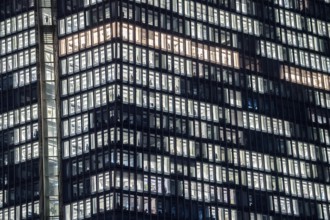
[181, 109]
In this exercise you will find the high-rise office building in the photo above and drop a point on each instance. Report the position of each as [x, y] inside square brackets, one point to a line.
[29, 155]
[164, 109]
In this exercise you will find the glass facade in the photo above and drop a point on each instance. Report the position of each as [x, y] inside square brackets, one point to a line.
[159, 109]
[19, 112]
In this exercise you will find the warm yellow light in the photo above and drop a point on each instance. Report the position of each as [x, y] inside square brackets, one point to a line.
[152, 39]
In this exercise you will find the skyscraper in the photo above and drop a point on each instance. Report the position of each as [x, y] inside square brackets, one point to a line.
[28, 119]
[181, 109]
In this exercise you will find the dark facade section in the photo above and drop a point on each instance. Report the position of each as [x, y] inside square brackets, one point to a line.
[19, 112]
